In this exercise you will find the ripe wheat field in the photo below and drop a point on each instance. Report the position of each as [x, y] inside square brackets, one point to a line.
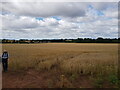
[72, 60]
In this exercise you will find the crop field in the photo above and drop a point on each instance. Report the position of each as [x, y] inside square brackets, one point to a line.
[58, 65]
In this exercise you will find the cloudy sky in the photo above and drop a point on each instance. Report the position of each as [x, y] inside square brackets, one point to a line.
[55, 20]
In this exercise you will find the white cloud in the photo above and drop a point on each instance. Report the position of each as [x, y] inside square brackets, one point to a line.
[13, 22]
[111, 13]
[76, 20]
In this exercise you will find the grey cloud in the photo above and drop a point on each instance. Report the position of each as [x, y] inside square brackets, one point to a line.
[45, 9]
[104, 5]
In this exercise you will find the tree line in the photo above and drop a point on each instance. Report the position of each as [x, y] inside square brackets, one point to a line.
[78, 40]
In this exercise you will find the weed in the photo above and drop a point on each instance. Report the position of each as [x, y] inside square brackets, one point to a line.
[113, 79]
[98, 82]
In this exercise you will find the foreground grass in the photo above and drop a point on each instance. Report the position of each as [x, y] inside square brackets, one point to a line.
[99, 61]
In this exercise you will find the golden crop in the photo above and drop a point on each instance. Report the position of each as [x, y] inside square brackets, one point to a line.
[68, 57]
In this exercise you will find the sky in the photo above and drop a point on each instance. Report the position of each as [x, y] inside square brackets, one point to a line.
[59, 20]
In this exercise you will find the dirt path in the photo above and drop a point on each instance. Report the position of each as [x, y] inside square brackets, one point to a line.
[23, 80]
[44, 79]
[34, 79]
